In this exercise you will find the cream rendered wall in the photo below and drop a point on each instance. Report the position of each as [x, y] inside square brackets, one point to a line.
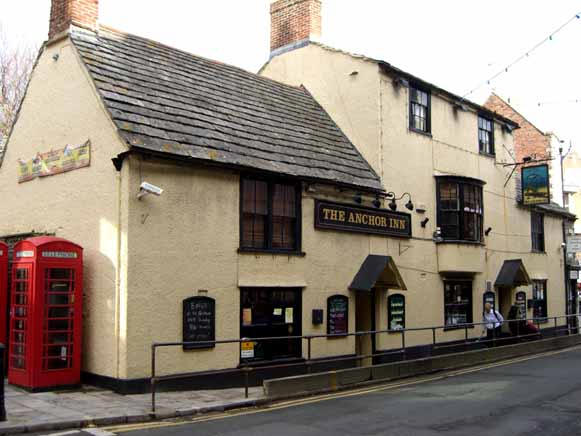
[408, 162]
[61, 107]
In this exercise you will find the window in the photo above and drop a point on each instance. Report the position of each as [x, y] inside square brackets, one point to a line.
[419, 110]
[457, 302]
[539, 298]
[396, 312]
[460, 210]
[485, 135]
[537, 232]
[267, 312]
[270, 216]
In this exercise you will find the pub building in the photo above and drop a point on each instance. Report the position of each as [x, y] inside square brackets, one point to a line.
[213, 203]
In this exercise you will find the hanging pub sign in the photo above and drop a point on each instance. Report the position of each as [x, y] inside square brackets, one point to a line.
[396, 312]
[199, 322]
[535, 185]
[362, 219]
[337, 315]
[54, 162]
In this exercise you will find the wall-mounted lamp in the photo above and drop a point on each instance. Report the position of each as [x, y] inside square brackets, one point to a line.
[400, 81]
[358, 199]
[424, 222]
[55, 57]
[487, 231]
[393, 205]
[377, 202]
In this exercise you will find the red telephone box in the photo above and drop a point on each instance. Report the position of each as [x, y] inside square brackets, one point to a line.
[45, 313]
[3, 292]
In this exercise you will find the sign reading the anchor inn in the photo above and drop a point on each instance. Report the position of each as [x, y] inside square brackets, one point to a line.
[362, 219]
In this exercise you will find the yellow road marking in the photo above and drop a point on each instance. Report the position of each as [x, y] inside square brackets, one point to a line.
[324, 397]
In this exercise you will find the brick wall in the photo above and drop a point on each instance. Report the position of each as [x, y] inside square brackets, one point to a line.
[63, 13]
[528, 140]
[293, 21]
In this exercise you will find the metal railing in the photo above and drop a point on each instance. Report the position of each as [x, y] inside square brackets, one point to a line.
[570, 327]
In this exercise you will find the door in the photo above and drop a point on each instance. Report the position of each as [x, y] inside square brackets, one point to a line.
[20, 341]
[58, 322]
[364, 322]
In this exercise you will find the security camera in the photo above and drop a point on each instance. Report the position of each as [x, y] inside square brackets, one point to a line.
[148, 188]
[563, 244]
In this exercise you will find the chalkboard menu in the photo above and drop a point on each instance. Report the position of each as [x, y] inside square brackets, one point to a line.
[337, 315]
[396, 312]
[199, 322]
[521, 304]
[488, 297]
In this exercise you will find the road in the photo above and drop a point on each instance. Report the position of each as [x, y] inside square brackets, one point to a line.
[535, 396]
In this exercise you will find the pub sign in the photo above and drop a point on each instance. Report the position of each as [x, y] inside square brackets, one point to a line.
[535, 185]
[349, 218]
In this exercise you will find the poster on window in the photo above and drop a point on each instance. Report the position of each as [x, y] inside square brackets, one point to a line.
[396, 312]
[54, 162]
[535, 185]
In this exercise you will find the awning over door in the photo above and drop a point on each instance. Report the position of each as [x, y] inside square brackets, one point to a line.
[513, 273]
[377, 271]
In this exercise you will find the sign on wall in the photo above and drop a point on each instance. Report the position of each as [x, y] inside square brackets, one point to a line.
[535, 185]
[199, 321]
[396, 312]
[574, 244]
[337, 315]
[362, 219]
[54, 162]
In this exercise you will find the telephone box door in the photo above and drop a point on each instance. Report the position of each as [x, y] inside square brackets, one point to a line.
[21, 334]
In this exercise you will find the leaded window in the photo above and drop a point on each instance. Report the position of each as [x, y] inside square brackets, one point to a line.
[419, 110]
[460, 210]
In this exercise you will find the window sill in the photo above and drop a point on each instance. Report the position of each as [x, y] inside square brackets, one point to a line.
[539, 252]
[458, 327]
[459, 241]
[273, 252]
[421, 132]
[492, 156]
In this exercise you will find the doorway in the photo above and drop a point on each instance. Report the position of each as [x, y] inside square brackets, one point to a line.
[505, 300]
[365, 321]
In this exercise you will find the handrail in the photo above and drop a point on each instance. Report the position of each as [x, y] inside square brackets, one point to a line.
[308, 362]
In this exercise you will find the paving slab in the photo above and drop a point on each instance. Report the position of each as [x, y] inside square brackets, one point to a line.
[31, 412]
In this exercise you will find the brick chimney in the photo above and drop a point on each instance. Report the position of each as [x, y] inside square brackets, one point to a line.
[63, 13]
[294, 22]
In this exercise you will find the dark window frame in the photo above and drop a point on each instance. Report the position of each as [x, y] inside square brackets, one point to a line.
[462, 215]
[427, 107]
[482, 129]
[537, 232]
[540, 304]
[268, 233]
[390, 315]
[469, 305]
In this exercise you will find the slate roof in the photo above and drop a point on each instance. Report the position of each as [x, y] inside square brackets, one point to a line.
[554, 208]
[165, 100]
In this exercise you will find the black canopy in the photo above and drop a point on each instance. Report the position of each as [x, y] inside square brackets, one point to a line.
[513, 273]
[377, 271]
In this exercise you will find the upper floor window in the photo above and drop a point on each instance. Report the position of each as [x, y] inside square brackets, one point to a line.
[270, 215]
[485, 135]
[460, 209]
[419, 109]
[537, 231]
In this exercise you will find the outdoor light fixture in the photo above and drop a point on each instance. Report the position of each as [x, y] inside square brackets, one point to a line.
[393, 205]
[357, 199]
[377, 202]
[424, 222]
[487, 231]
[399, 81]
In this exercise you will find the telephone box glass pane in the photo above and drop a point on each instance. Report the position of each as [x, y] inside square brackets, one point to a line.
[58, 323]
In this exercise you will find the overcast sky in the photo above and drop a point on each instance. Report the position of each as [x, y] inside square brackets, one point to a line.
[455, 44]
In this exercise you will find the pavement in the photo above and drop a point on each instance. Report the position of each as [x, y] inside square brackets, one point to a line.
[91, 406]
[530, 395]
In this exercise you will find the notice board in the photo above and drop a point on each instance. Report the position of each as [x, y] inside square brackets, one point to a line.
[337, 315]
[199, 322]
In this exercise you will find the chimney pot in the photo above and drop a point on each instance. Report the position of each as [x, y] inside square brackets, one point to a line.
[294, 21]
[64, 13]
